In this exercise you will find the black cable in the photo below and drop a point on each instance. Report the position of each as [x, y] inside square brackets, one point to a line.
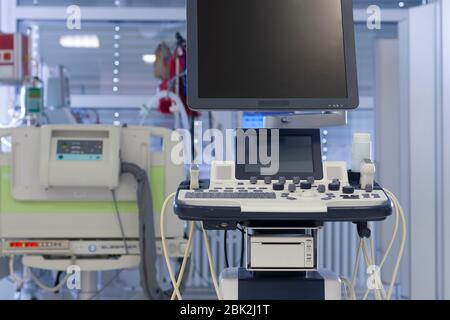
[225, 248]
[210, 120]
[106, 285]
[242, 249]
[119, 219]
[193, 138]
[57, 280]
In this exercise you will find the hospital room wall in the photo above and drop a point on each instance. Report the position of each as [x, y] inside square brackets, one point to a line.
[414, 141]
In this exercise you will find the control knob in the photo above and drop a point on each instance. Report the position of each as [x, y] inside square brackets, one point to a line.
[292, 187]
[335, 185]
[278, 186]
[348, 190]
[305, 185]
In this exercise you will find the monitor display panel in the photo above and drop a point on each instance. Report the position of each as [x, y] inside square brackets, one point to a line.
[271, 55]
[299, 153]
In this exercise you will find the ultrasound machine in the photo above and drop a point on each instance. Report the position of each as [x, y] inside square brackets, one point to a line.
[298, 57]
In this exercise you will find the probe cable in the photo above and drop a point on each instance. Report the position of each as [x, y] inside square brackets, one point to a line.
[187, 253]
[164, 247]
[399, 209]
[175, 283]
[399, 215]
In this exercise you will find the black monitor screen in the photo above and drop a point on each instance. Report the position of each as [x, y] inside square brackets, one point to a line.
[296, 156]
[299, 154]
[271, 49]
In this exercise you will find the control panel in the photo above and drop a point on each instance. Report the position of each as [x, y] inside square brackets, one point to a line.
[67, 247]
[303, 189]
[82, 156]
[284, 195]
[223, 204]
[79, 150]
[21, 246]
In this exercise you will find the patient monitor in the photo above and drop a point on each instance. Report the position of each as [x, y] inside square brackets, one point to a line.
[95, 152]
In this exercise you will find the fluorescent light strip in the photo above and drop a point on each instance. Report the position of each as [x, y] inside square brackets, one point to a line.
[80, 41]
[149, 58]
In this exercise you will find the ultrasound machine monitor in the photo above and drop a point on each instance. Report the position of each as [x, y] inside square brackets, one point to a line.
[299, 154]
[269, 55]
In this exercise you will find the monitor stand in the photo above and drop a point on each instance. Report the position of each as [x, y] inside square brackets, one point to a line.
[307, 120]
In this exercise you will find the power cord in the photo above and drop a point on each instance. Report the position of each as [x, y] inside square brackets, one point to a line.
[19, 281]
[119, 220]
[225, 248]
[44, 287]
[106, 285]
[242, 248]
[56, 288]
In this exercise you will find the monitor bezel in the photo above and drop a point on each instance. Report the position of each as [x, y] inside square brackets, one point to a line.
[241, 174]
[197, 103]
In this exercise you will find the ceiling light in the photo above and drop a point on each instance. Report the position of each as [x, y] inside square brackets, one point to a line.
[149, 58]
[80, 41]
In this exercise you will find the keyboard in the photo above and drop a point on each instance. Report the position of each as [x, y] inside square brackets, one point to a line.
[231, 195]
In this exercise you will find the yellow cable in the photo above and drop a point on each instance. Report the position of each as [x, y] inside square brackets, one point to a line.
[400, 215]
[164, 247]
[356, 266]
[377, 291]
[402, 241]
[187, 252]
[350, 287]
